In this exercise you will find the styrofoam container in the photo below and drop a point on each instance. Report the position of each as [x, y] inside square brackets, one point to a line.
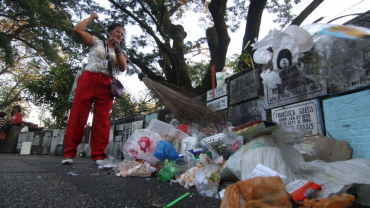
[161, 128]
[216, 138]
[165, 129]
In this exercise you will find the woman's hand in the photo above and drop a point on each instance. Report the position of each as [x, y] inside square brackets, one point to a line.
[115, 40]
[93, 16]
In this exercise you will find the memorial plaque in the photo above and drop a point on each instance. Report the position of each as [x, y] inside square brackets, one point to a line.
[120, 127]
[201, 98]
[45, 150]
[150, 117]
[47, 140]
[305, 114]
[218, 104]
[118, 138]
[362, 81]
[347, 118]
[246, 87]
[128, 125]
[295, 87]
[55, 132]
[219, 92]
[137, 125]
[111, 133]
[247, 112]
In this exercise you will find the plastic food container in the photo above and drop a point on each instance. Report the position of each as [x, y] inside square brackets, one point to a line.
[181, 166]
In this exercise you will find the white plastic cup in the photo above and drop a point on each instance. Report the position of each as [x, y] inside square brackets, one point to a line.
[220, 78]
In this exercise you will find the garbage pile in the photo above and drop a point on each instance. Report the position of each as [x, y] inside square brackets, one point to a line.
[266, 165]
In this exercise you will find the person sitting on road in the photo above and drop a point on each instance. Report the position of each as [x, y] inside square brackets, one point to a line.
[3, 121]
[16, 120]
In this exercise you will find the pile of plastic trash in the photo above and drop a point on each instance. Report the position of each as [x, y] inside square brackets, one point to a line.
[266, 165]
[256, 158]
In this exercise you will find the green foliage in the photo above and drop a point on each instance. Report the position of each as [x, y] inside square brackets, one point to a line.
[49, 124]
[122, 108]
[197, 70]
[232, 63]
[283, 9]
[53, 89]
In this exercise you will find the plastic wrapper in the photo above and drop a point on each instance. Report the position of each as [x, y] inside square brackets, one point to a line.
[207, 181]
[188, 178]
[108, 163]
[141, 145]
[308, 150]
[252, 193]
[254, 129]
[288, 135]
[301, 189]
[165, 150]
[271, 78]
[342, 201]
[137, 169]
[174, 122]
[220, 161]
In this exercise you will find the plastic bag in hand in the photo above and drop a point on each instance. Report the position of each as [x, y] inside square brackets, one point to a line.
[141, 145]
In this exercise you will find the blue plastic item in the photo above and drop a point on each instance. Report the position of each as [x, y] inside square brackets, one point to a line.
[196, 151]
[165, 150]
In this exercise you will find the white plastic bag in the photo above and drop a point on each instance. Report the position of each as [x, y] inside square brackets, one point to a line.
[141, 145]
[207, 181]
[25, 129]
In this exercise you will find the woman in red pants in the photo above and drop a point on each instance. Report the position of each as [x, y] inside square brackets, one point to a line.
[93, 86]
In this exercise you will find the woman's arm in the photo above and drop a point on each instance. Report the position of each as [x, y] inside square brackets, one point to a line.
[121, 61]
[79, 29]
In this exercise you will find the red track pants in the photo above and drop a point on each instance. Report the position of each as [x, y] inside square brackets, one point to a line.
[91, 87]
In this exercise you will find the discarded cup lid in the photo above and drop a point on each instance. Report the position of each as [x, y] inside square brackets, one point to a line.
[303, 37]
[196, 151]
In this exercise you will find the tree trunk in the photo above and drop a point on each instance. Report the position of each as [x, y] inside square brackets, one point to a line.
[218, 42]
[217, 9]
[252, 27]
[180, 76]
[304, 14]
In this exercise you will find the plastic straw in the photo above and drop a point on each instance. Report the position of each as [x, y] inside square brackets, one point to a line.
[177, 200]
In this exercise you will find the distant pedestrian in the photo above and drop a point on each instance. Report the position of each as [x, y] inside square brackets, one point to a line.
[15, 120]
[3, 121]
[94, 86]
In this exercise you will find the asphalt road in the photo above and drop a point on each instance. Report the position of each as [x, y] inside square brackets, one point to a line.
[41, 181]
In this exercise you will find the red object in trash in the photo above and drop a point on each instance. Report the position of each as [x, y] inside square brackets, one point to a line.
[213, 73]
[301, 189]
[183, 128]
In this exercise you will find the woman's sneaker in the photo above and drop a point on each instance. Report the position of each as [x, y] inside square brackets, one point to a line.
[67, 161]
